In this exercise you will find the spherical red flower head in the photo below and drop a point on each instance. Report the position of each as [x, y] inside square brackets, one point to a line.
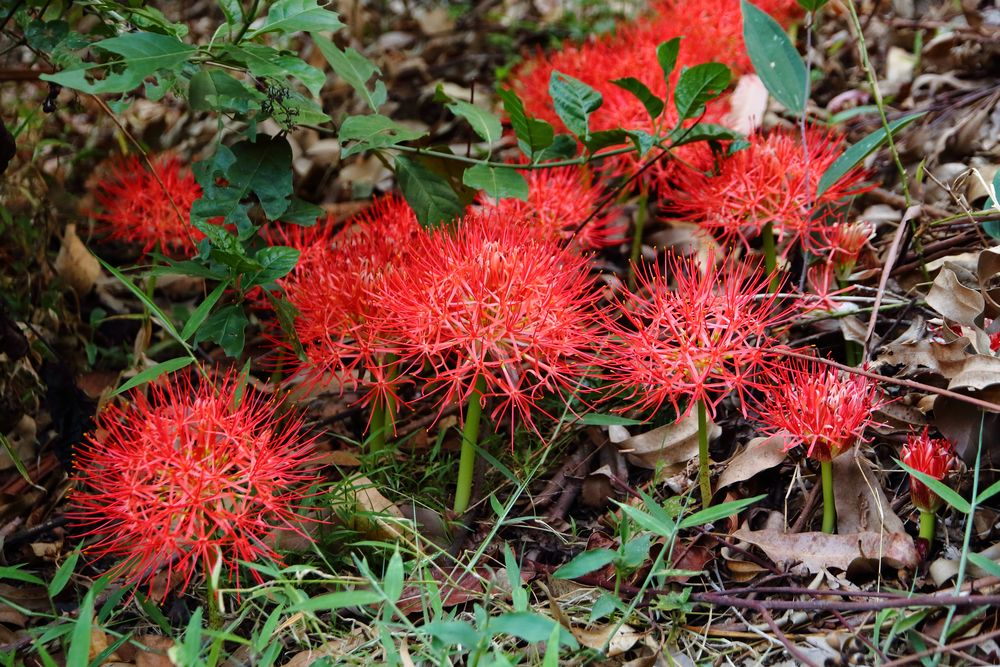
[933, 457]
[332, 290]
[819, 408]
[771, 181]
[177, 478]
[698, 341]
[559, 201]
[484, 301]
[136, 208]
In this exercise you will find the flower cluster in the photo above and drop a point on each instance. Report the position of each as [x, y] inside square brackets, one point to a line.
[188, 475]
[138, 206]
[706, 337]
[931, 456]
[819, 407]
[772, 181]
[483, 304]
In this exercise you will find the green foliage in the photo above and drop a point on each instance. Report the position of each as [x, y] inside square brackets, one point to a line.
[574, 101]
[854, 155]
[775, 58]
[697, 86]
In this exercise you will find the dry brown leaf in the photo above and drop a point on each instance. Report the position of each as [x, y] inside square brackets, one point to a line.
[818, 551]
[943, 569]
[623, 639]
[335, 648]
[759, 455]
[747, 105]
[22, 442]
[861, 503]
[155, 654]
[671, 446]
[954, 300]
[979, 372]
[384, 520]
[75, 264]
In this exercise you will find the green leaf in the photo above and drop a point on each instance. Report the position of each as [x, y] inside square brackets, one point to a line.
[854, 155]
[697, 85]
[15, 573]
[529, 626]
[301, 212]
[62, 575]
[276, 262]
[943, 491]
[662, 526]
[79, 640]
[533, 135]
[264, 61]
[202, 311]
[157, 314]
[334, 601]
[702, 132]
[143, 53]
[653, 104]
[563, 147]
[213, 89]
[987, 565]
[373, 131]
[585, 563]
[293, 15]
[153, 372]
[498, 183]
[716, 512]
[774, 58]
[356, 70]
[429, 195]
[574, 101]
[452, 633]
[643, 141]
[812, 5]
[602, 139]
[227, 327]
[992, 227]
[988, 493]
[597, 419]
[486, 124]
[666, 55]
[392, 582]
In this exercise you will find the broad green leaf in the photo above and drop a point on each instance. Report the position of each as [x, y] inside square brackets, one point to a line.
[812, 5]
[293, 15]
[334, 601]
[533, 135]
[485, 123]
[597, 419]
[227, 327]
[652, 103]
[452, 633]
[697, 85]
[602, 139]
[854, 155]
[574, 101]
[373, 131]
[429, 195]
[265, 61]
[988, 492]
[530, 627]
[498, 183]
[79, 640]
[301, 212]
[701, 132]
[636, 551]
[356, 70]
[233, 11]
[276, 262]
[945, 492]
[563, 147]
[658, 525]
[202, 311]
[392, 582]
[62, 575]
[774, 58]
[142, 54]
[585, 563]
[643, 141]
[987, 565]
[716, 512]
[666, 55]
[15, 573]
[551, 658]
[153, 372]
[213, 89]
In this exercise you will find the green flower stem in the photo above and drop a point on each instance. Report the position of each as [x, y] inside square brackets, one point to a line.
[704, 475]
[470, 436]
[927, 520]
[376, 429]
[829, 506]
[640, 223]
[389, 418]
[770, 255]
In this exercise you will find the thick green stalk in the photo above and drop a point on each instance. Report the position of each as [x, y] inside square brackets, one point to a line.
[829, 505]
[376, 430]
[389, 420]
[704, 475]
[640, 223]
[470, 436]
[927, 520]
[770, 255]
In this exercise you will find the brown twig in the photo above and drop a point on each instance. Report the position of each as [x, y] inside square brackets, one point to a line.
[957, 601]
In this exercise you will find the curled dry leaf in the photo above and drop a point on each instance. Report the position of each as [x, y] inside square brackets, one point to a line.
[944, 569]
[818, 551]
[75, 264]
[759, 455]
[861, 503]
[954, 300]
[671, 446]
[618, 639]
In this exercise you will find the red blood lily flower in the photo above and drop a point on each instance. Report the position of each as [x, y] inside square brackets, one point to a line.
[819, 407]
[842, 242]
[771, 181]
[483, 307]
[136, 208]
[186, 475]
[933, 457]
[332, 288]
[559, 201]
[698, 342]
